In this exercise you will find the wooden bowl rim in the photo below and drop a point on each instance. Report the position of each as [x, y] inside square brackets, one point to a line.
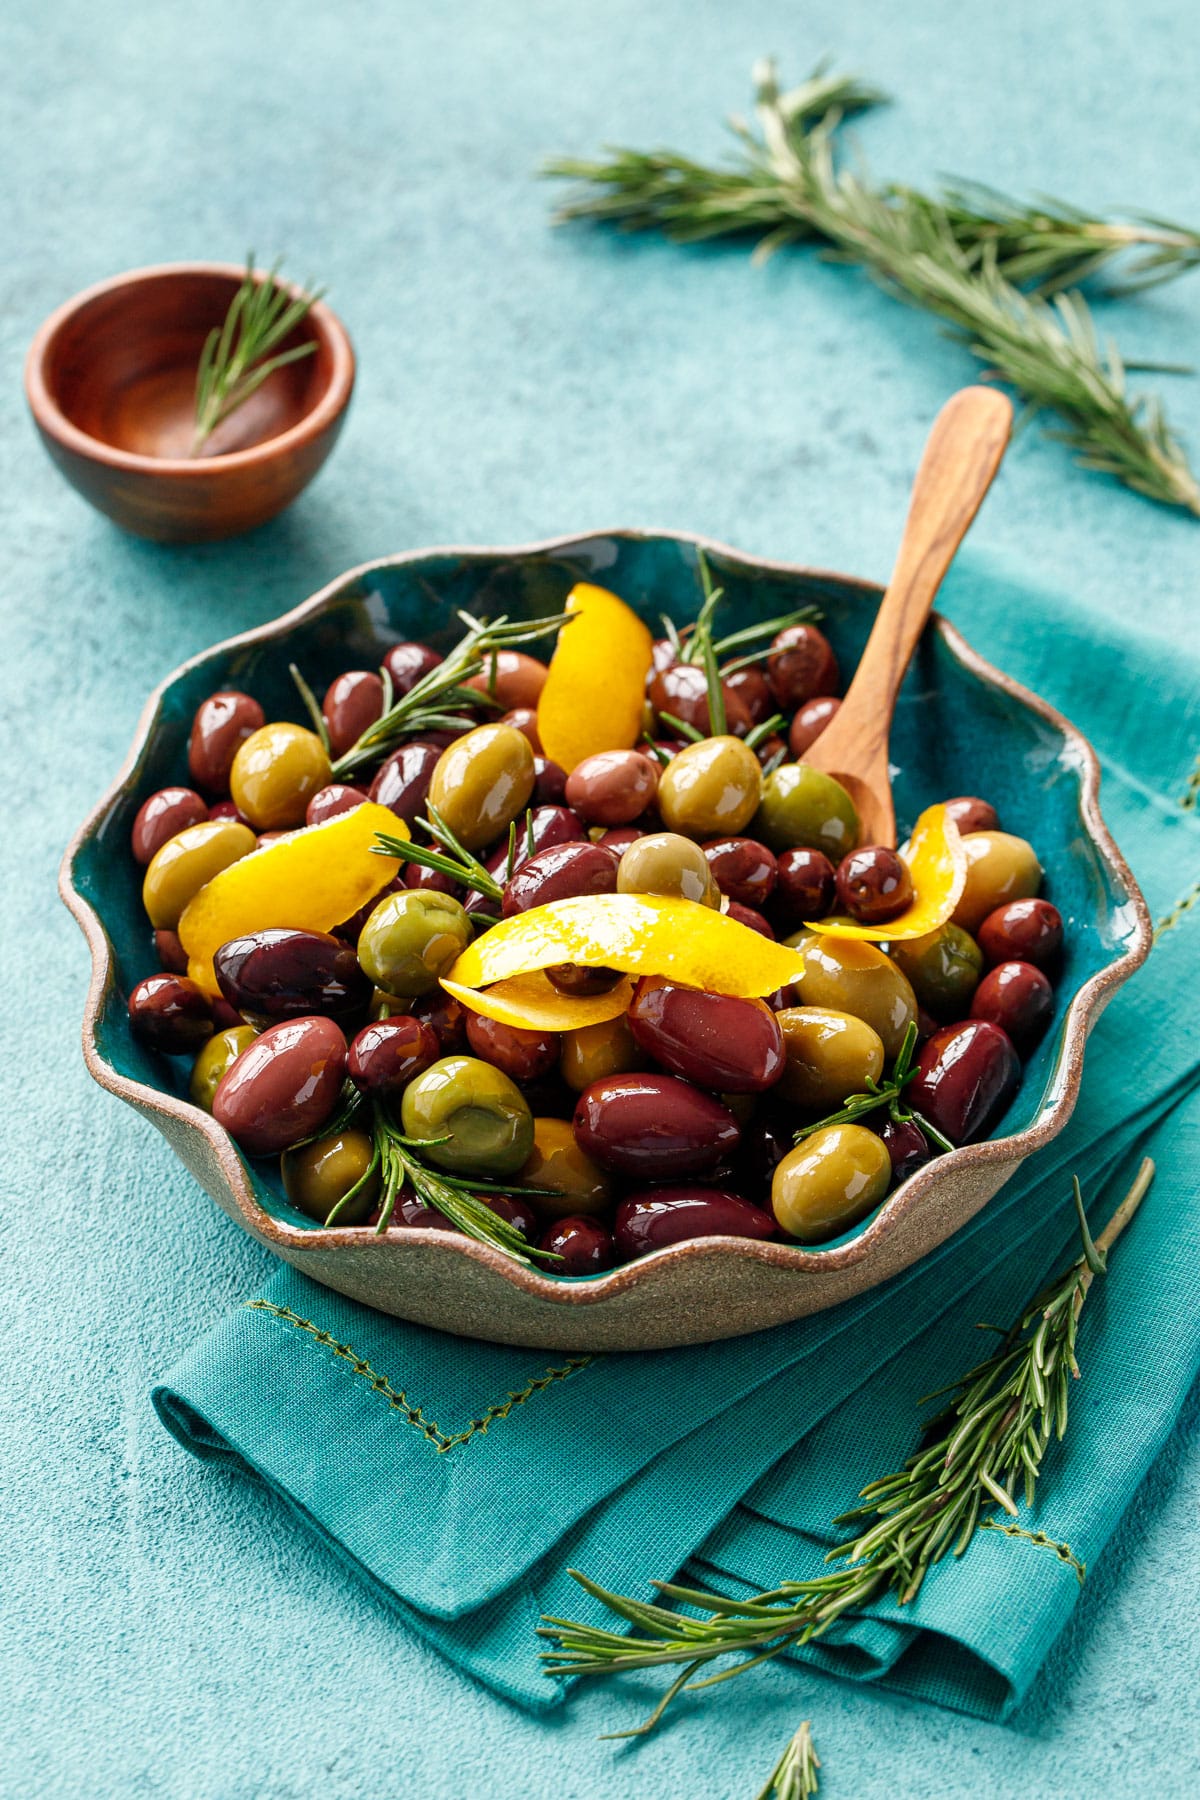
[596, 1290]
[51, 419]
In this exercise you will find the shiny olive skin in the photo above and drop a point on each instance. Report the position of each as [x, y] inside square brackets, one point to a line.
[481, 782]
[711, 789]
[222, 724]
[732, 1046]
[411, 1214]
[524, 720]
[411, 940]
[809, 722]
[560, 872]
[284, 973]
[668, 864]
[803, 808]
[1018, 998]
[583, 1246]
[805, 886]
[801, 665]
[970, 813]
[170, 952]
[582, 979]
[515, 1210]
[654, 1127]
[906, 1147]
[163, 816]
[170, 1013]
[873, 884]
[275, 774]
[682, 692]
[407, 664]
[512, 678]
[743, 869]
[613, 787]
[944, 967]
[548, 826]
[569, 1181]
[477, 1109]
[216, 1058]
[1000, 868]
[445, 1016]
[749, 916]
[853, 977]
[330, 802]
[549, 783]
[829, 1182]
[402, 782]
[523, 1055]
[386, 1054]
[283, 1087]
[619, 837]
[966, 1076]
[318, 1175]
[1023, 931]
[187, 862]
[352, 702]
[655, 1217]
[828, 1055]
[591, 1051]
[753, 691]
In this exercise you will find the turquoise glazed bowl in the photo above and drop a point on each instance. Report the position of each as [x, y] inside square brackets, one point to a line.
[960, 727]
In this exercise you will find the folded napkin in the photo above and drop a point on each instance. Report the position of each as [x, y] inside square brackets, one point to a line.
[463, 1480]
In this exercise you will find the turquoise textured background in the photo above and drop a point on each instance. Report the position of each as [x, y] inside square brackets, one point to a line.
[170, 1632]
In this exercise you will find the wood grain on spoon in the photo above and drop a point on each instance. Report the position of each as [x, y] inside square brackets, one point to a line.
[963, 452]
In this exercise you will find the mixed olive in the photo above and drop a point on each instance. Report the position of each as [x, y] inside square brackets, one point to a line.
[631, 1107]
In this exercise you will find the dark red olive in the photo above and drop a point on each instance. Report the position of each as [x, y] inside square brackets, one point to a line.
[515, 1210]
[584, 1246]
[612, 788]
[524, 720]
[804, 887]
[352, 702]
[511, 677]
[926, 1024]
[966, 1076]
[970, 813]
[653, 1126]
[548, 825]
[656, 1217]
[351, 928]
[445, 1015]
[287, 974]
[664, 654]
[402, 783]
[222, 723]
[225, 1017]
[163, 816]
[225, 809]
[771, 750]
[620, 837]
[809, 722]
[732, 1046]
[800, 665]
[766, 1140]
[749, 915]
[411, 1214]
[524, 1055]
[742, 868]
[549, 782]
[329, 801]
[753, 690]
[906, 1146]
[407, 664]
[561, 872]
[784, 997]
[580, 980]
[432, 880]
[1022, 931]
[386, 1054]
[682, 691]
[283, 1086]
[873, 884]
[170, 952]
[170, 1013]
[1018, 998]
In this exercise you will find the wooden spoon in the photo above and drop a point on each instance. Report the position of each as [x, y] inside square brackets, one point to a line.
[962, 454]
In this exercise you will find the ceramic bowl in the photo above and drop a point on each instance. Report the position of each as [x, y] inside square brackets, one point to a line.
[960, 727]
[110, 379]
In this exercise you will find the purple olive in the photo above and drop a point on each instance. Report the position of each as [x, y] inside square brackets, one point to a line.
[549, 783]
[1022, 931]
[561, 872]
[748, 915]
[549, 825]
[753, 691]
[329, 802]
[733, 1046]
[170, 1013]
[612, 788]
[446, 1017]
[804, 887]
[682, 691]
[163, 816]
[743, 869]
[431, 880]
[581, 980]
[411, 1214]
[1018, 998]
[524, 1055]
[970, 813]
[906, 1145]
[873, 884]
[653, 1126]
[286, 974]
[170, 952]
[584, 1246]
[402, 783]
[524, 720]
[409, 663]
[283, 1087]
[352, 702]
[655, 1217]
[386, 1054]
[809, 722]
[222, 724]
[966, 1076]
[800, 665]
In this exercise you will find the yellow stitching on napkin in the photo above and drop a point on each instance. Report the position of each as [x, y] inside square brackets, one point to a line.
[398, 1400]
[1190, 798]
[1177, 912]
[1063, 1552]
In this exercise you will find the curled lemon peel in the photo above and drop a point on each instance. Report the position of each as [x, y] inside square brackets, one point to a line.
[937, 863]
[596, 689]
[532, 1003]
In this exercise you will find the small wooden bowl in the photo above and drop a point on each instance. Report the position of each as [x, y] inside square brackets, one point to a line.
[110, 379]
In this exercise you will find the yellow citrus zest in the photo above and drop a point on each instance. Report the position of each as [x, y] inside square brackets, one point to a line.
[533, 1003]
[596, 688]
[937, 863]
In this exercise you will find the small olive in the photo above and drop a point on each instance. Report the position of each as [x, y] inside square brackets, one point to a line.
[1000, 868]
[944, 967]
[480, 1113]
[613, 787]
[222, 723]
[829, 1055]
[804, 887]
[171, 1014]
[275, 774]
[801, 664]
[573, 1183]
[853, 977]
[412, 939]
[829, 1182]
[218, 1055]
[809, 722]
[710, 789]
[161, 817]
[317, 1175]
[512, 678]
[352, 702]
[591, 1051]
[188, 862]
[970, 813]
[803, 808]
[666, 863]
[873, 884]
[482, 781]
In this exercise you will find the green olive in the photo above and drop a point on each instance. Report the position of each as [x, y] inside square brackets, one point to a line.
[668, 864]
[187, 862]
[829, 1182]
[411, 939]
[710, 789]
[482, 781]
[316, 1176]
[944, 967]
[219, 1054]
[803, 809]
[480, 1113]
[591, 1051]
[850, 976]
[1000, 867]
[556, 1163]
[829, 1055]
[275, 774]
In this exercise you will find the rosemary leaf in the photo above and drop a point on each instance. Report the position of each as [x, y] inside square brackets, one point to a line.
[236, 358]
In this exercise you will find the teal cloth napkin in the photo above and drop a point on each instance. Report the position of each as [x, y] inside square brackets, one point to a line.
[463, 1480]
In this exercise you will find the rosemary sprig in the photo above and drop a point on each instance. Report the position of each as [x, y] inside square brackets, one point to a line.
[953, 255]
[452, 858]
[794, 1776]
[311, 705]
[887, 1093]
[702, 649]
[989, 1440]
[758, 734]
[236, 358]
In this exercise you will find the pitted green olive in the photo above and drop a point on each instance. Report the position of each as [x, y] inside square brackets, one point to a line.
[411, 939]
[829, 1055]
[829, 1182]
[854, 977]
[668, 864]
[710, 789]
[482, 781]
[801, 807]
[481, 1114]
[944, 967]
